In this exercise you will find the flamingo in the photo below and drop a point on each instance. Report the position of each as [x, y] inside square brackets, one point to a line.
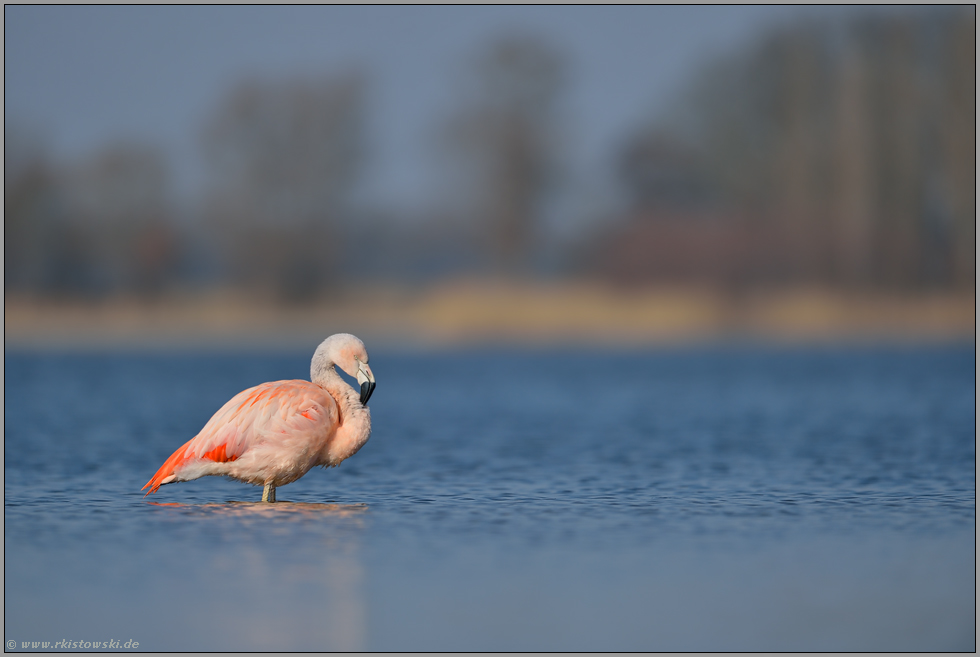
[274, 433]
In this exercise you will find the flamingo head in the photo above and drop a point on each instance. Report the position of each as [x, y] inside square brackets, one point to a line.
[347, 352]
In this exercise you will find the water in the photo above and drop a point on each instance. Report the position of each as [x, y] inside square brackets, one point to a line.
[703, 499]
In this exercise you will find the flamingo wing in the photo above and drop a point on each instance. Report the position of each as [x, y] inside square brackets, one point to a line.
[255, 416]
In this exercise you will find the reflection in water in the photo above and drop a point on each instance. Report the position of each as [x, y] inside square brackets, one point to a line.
[287, 592]
[267, 510]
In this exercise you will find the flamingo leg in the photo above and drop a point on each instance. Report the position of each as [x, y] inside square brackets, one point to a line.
[269, 493]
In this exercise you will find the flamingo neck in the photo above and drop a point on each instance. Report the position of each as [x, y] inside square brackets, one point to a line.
[346, 397]
[355, 418]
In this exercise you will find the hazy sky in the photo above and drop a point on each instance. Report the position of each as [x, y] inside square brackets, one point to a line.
[85, 76]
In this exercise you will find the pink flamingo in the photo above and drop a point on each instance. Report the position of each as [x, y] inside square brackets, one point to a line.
[274, 433]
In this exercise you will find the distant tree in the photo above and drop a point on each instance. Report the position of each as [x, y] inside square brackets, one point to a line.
[660, 171]
[32, 221]
[853, 142]
[120, 235]
[505, 135]
[283, 158]
[99, 227]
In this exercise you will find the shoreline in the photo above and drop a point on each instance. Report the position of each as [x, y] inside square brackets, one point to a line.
[480, 313]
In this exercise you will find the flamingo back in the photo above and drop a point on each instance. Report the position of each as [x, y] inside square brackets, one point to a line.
[277, 429]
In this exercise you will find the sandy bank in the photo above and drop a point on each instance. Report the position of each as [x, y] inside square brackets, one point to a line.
[475, 312]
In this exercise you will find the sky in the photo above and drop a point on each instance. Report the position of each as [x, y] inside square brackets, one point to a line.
[84, 77]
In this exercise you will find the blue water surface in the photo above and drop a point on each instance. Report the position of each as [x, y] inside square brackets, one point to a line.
[709, 498]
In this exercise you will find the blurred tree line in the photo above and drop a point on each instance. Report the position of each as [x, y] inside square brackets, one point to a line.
[283, 159]
[103, 226]
[839, 153]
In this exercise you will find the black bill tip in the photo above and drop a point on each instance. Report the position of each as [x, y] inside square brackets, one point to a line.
[366, 389]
